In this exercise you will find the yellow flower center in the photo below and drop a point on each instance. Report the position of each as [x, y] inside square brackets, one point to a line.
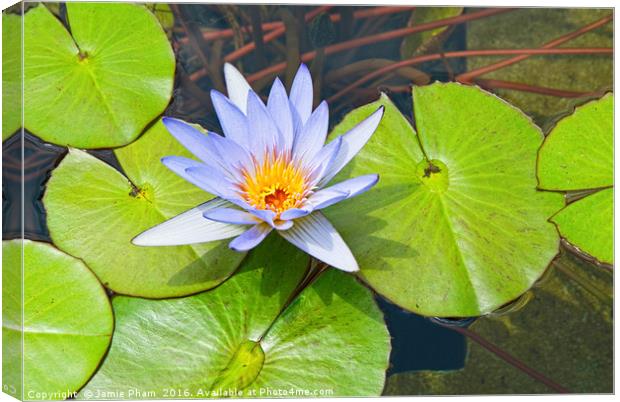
[275, 184]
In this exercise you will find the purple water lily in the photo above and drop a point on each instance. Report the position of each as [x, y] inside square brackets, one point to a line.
[269, 171]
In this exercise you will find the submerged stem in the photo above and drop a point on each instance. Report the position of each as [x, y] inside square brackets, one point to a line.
[314, 270]
[510, 359]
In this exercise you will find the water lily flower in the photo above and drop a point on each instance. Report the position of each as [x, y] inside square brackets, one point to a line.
[269, 172]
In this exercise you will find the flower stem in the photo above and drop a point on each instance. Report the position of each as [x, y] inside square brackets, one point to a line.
[314, 270]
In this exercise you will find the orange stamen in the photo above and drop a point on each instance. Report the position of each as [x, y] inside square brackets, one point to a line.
[276, 184]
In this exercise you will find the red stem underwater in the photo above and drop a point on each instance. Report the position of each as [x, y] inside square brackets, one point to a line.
[464, 53]
[508, 358]
[470, 75]
[384, 36]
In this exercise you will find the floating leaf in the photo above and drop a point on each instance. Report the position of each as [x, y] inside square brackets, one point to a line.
[11, 74]
[101, 84]
[422, 42]
[67, 321]
[93, 212]
[163, 13]
[564, 332]
[448, 239]
[589, 224]
[580, 73]
[12, 296]
[233, 341]
[578, 155]
[578, 152]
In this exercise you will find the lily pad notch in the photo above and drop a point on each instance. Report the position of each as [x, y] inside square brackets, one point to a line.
[576, 159]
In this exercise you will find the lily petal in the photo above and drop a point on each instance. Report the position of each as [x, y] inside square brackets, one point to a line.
[212, 181]
[279, 107]
[189, 228]
[351, 187]
[352, 143]
[323, 160]
[297, 124]
[237, 86]
[251, 238]
[313, 134]
[265, 215]
[190, 137]
[326, 197]
[294, 213]
[283, 225]
[178, 164]
[233, 121]
[232, 155]
[301, 93]
[232, 216]
[265, 133]
[317, 237]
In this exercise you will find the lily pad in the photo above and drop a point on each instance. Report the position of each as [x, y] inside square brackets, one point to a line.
[426, 41]
[93, 212]
[447, 238]
[236, 341]
[578, 155]
[164, 14]
[67, 321]
[564, 332]
[12, 316]
[11, 74]
[100, 84]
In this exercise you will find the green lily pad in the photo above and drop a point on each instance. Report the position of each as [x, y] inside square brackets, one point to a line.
[589, 224]
[164, 14]
[67, 321]
[579, 73]
[578, 155]
[564, 332]
[426, 41]
[101, 84]
[11, 74]
[578, 152]
[93, 212]
[464, 235]
[12, 344]
[235, 340]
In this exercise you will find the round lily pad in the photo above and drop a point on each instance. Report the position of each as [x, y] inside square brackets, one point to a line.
[67, 321]
[100, 84]
[241, 340]
[459, 229]
[11, 74]
[93, 212]
[578, 155]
